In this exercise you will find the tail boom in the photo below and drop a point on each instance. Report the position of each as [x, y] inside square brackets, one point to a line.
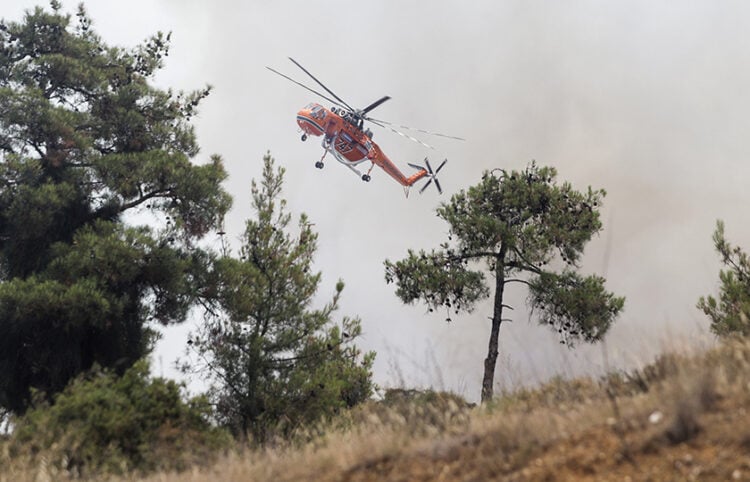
[411, 180]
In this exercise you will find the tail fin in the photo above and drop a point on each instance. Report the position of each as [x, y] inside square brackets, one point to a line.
[432, 175]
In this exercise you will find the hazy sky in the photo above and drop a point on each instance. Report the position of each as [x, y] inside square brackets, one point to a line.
[645, 99]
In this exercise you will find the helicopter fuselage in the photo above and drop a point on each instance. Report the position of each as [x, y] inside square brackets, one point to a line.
[342, 133]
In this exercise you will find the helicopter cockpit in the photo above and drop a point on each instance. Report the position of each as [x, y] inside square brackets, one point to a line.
[316, 111]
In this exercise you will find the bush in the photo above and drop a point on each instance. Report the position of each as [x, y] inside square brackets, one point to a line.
[105, 423]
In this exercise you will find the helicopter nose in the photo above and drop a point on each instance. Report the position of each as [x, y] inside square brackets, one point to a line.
[303, 117]
[307, 123]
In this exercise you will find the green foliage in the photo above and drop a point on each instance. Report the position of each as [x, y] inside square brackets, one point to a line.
[513, 225]
[84, 140]
[516, 223]
[730, 313]
[103, 422]
[441, 278]
[275, 363]
[528, 212]
[523, 215]
[578, 307]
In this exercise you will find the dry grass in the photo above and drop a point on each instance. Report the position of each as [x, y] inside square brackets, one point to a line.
[681, 418]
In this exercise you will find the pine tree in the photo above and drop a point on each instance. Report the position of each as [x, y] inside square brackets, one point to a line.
[85, 139]
[730, 313]
[514, 225]
[274, 362]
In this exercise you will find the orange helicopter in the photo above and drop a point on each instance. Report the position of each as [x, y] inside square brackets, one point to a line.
[344, 136]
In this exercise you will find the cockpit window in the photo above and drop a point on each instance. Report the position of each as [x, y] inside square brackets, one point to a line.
[318, 112]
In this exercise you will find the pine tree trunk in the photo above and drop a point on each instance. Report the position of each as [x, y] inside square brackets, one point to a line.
[488, 381]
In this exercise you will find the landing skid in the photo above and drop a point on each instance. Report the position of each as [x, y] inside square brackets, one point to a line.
[354, 169]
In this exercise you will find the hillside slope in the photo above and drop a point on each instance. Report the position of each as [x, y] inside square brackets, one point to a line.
[681, 418]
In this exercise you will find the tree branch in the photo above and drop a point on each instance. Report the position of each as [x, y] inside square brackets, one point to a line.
[526, 265]
[480, 254]
[144, 198]
[217, 372]
[517, 280]
[42, 155]
[329, 347]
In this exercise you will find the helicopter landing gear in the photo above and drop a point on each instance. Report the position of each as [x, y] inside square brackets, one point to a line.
[319, 164]
[366, 177]
[304, 137]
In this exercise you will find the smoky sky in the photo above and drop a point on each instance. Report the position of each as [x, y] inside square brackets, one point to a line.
[647, 100]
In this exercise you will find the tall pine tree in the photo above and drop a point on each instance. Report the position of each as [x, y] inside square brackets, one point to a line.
[514, 224]
[85, 138]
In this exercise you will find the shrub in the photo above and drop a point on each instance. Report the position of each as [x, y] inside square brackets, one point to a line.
[105, 423]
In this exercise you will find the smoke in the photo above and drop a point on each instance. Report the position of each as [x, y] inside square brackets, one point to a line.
[647, 100]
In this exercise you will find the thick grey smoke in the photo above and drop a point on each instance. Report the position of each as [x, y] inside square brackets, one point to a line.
[645, 99]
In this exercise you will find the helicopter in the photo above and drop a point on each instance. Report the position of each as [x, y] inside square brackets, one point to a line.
[346, 138]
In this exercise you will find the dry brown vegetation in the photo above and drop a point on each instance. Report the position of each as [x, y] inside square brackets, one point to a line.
[681, 418]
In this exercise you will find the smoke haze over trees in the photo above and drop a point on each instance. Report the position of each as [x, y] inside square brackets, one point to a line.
[640, 98]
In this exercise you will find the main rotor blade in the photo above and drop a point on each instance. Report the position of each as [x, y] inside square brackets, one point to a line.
[417, 130]
[306, 87]
[375, 104]
[322, 85]
[377, 123]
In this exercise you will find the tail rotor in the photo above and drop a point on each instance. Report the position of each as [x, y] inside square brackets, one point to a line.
[432, 175]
